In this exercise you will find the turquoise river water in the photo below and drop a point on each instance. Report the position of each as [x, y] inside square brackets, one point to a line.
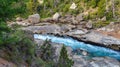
[75, 44]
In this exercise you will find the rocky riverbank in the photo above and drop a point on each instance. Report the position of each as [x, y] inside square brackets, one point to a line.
[81, 60]
[74, 27]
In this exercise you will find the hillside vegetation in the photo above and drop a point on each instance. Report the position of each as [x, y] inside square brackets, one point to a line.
[18, 48]
[92, 9]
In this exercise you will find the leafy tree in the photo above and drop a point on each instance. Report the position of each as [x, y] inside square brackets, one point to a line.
[64, 61]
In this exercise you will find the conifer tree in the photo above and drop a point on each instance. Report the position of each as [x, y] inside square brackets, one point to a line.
[64, 61]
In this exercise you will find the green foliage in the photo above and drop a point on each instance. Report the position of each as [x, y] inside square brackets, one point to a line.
[17, 47]
[64, 61]
[46, 53]
[109, 15]
[101, 9]
[3, 27]
[33, 6]
[100, 24]
[10, 8]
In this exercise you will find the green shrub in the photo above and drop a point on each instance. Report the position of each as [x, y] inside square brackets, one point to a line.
[100, 24]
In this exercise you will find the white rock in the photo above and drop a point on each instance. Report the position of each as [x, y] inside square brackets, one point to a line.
[84, 53]
[56, 16]
[73, 6]
[104, 18]
[19, 19]
[40, 1]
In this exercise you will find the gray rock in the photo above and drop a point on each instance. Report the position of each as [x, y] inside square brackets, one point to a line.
[44, 29]
[23, 23]
[110, 40]
[35, 18]
[66, 19]
[74, 21]
[101, 39]
[79, 61]
[104, 62]
[79, 17]
[89, 24]
[57, 51]
[76, 32]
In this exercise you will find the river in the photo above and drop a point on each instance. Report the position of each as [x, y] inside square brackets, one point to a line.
[96, 51]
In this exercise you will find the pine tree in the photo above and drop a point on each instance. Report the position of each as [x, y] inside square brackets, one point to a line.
[64, 61]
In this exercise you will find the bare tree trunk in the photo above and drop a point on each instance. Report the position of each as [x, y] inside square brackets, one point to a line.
[107, 9]
[113, 8]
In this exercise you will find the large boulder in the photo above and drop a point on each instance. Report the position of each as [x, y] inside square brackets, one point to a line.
[35, 18]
